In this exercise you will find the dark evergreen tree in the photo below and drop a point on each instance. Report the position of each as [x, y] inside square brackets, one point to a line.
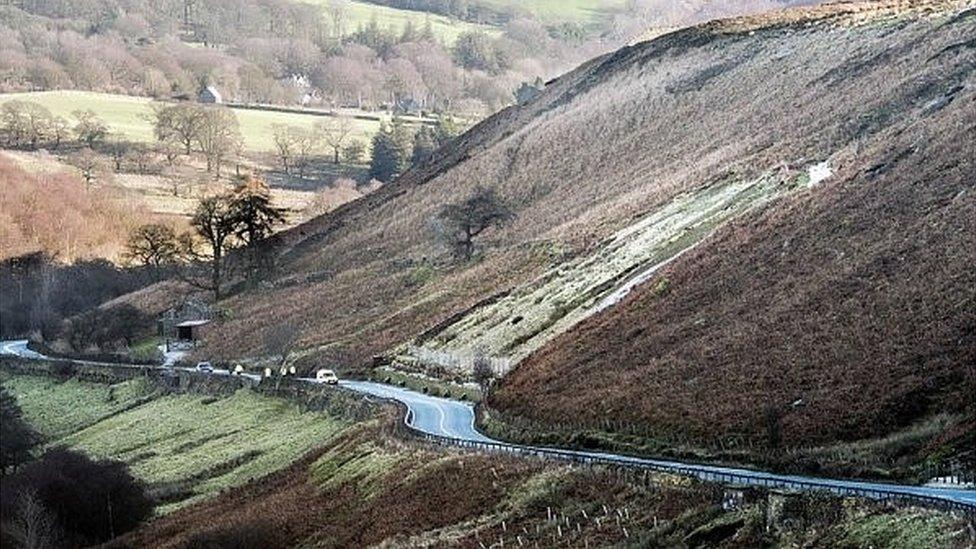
[392, 146]
[425, 142]
[16, 436]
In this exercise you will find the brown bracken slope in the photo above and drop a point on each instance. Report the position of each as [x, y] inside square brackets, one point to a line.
[604, 145]
[369, 489]
[846, 312]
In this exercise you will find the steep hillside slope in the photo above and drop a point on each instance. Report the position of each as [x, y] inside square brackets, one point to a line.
[605, 147]
[849, 312]
[846, 312]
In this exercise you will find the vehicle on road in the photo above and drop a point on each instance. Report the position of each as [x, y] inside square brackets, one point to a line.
[205, 367]
[238, 370]
[326, 376]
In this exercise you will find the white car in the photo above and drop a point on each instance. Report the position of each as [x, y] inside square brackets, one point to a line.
[205, 367]
[326, 376]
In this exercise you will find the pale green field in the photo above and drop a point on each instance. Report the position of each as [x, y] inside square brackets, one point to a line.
[361, 13]
[130, 116]
[197, 443]
[57, 409]
[585, 12]
[591, 13]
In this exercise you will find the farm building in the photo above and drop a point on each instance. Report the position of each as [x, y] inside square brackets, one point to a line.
[209, 94]
[190, 330]
[185, 323]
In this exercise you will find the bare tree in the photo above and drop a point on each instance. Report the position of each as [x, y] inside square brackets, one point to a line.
[219, 136]
[25, 122]
[89, 163]
[90, 129]
[117, 149]
[482, 371]
[33, 525]
[178, 123]
[170, 150]
[338, 12]
[284, 143]
[281, 341]
[215, 222]
[295, 147]
[461, 223]
[60, 130]
[140, 156]
[335, 132]
[153, 245]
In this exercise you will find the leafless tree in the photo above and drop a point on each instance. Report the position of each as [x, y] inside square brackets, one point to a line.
[218, 137]
[25, 122]
[170, 150]
[90, 129]
[33, 525]
[60, 130]
[279, 344]
[338, 12]
[281, 341]
[284, 142]
[295, 147]
[335, 132]
[153, 245]
[462, 222]
[117, 148]
[179, 123]
[482, 371]
[89, 163]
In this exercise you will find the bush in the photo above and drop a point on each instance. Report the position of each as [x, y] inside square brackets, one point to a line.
[92, 501]
[17, 438]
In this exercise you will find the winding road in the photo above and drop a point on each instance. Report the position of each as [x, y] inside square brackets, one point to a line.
[453, 422]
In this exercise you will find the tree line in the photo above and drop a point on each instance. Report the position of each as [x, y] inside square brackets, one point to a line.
[277, 52]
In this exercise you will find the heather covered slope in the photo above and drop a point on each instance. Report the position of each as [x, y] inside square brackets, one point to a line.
[857, 301]
[604, 147]
[846, 312]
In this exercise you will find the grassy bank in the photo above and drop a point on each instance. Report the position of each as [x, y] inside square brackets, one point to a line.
[368, 488]
[912, 455]
[186, 446]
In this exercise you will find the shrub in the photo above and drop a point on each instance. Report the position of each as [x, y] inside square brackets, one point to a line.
[93, 501]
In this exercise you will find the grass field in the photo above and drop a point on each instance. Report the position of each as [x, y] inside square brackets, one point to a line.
[362, 13]
[130, 116]
[190, 446]
[586, 12]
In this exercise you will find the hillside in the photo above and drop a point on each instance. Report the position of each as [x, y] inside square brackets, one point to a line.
[250, 469]
[788, 193]
[185, 447]
[367, 487]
